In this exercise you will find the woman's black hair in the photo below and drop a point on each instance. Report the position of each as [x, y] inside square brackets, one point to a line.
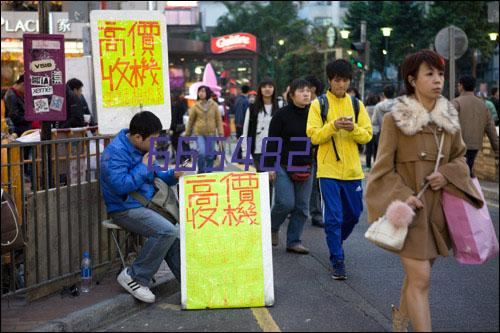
[208, 92]
[296, 85]
[259, 101]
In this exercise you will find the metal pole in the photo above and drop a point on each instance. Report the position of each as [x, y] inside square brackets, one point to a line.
[362, 80]
[386, 55]
[43, 21]
[151, 5]
[451, 31]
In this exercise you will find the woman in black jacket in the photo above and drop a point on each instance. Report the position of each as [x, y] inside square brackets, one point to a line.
[292, 188]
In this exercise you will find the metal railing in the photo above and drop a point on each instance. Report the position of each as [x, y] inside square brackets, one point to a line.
[55, 185]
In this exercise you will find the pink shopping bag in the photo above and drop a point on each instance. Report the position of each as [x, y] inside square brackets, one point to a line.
[471, 229]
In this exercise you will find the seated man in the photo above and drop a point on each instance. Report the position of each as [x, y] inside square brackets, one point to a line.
[124, 170]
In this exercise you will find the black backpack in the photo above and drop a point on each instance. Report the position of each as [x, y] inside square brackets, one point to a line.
[323, 103]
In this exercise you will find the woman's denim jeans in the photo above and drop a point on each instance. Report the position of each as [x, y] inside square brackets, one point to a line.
[205, 161]
[290, 197]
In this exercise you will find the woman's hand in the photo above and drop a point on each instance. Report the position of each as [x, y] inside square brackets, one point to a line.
[272, 176]
[437, 181]
[414, 202]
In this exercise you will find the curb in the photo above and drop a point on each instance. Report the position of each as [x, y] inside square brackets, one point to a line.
[100, 314]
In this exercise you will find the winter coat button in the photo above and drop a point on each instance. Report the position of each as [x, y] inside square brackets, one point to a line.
[423, 155]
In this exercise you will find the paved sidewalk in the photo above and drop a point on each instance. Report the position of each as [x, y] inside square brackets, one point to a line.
[56, 313]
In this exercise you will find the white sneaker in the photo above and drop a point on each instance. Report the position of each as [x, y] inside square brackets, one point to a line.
[140, 292]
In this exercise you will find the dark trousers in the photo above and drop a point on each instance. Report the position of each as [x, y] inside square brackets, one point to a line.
[371, 150]
[239, 133]
[315, 210]
[470, 155]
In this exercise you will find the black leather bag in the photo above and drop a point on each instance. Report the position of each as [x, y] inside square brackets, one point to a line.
[12, 233]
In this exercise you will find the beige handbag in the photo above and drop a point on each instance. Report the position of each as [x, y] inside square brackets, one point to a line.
[387, 234]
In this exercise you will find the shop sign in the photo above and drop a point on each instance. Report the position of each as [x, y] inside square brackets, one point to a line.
[44, 98]
[15, 24]
[237, 41]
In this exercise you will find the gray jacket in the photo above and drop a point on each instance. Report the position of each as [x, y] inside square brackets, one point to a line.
[378, 115]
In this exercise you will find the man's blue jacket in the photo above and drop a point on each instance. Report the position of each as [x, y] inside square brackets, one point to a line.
[122, 172]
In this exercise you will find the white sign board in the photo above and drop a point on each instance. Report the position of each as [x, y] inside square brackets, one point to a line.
[130, 56]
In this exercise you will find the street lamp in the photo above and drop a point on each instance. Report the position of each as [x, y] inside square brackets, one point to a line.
[281, 42]
[344, 33]
[386, 31]
[493, 36]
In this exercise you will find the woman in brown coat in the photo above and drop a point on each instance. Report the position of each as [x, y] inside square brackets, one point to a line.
[408, 147]
[205, 121]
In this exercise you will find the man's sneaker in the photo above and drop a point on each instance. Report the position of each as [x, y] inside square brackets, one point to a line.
[140, 292]
[318, 224]
[339, 270]
[300, 249]
[275, 238]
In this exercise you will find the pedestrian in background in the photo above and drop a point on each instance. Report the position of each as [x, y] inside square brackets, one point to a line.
[494, 100]
[76, 105]
[177, 127]
[354, 92]
[205, 121]
[339, 165]
[371, 148]
[240, 108]
[315, 210]
[14, 106]
[381, 109]
[475, 120]
[483, 90]
[292, 189]
[257, 121]
[409, 142]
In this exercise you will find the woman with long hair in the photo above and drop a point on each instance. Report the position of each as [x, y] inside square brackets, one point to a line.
[409, 142]
[257, 120]
[205, 121]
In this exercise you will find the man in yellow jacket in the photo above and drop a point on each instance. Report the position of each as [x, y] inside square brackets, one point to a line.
[343, 124]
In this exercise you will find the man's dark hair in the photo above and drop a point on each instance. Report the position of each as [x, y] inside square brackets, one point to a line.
[315, 82]
[494, 91]
[20, 79]
[245, 89]
[296, 85]
[74, 84]
[339, 68]
[145, 124]
[389, 91]
[468, 82]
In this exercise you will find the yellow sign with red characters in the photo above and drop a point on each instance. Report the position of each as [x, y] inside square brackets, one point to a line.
[226, 256]
[131, 62]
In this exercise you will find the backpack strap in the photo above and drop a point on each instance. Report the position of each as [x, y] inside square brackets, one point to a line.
[323, 103]
[355, 106]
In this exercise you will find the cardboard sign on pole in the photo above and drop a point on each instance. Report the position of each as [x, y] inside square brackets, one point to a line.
[225, 232]
[130, 56]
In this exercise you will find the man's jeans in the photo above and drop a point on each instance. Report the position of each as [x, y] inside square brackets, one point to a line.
[163, 242]
[204, 161]
[342, 206]
[290, 197]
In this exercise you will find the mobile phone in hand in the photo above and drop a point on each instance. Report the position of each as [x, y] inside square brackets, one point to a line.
[348, 118]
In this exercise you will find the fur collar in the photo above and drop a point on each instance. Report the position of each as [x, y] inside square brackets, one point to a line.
[411, 117]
